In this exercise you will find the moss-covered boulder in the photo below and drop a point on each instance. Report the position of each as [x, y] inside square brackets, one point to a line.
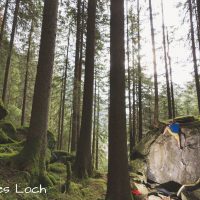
[142, 149]
[4, 138]
[11, 147]
[139, 167]
[61, 156]
[8, 128]
[185, 119]
[3, 111]
[58, 168]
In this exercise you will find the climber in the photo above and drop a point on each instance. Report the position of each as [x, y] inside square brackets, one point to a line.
[174, 129]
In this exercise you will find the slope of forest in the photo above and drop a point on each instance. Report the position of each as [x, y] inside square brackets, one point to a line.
[87, 89]
[11, 143]
[91, 189]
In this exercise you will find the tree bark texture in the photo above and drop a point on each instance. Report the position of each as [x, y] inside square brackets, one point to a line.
[83, 162]
[118, 185]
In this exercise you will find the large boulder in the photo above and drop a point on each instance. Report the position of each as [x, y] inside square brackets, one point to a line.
[164, 161]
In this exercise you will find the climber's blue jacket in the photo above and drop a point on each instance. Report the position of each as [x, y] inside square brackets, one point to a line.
[175, 127]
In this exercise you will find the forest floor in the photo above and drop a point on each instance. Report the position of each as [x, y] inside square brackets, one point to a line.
[90, 189]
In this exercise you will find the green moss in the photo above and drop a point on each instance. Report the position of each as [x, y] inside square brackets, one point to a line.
[11, 148]
[7, 149]
[4, 138]
[182, 119]
[45, 180]
[9, 129]
[7, 155]
[15, 144]
[3, 111]
[98, 174]
[57, 168]
[51, 140]
[61, 153]
[6, 158]
[139, 166]
[62, 156]
[75, 188]
[91, 189]
[52, 178]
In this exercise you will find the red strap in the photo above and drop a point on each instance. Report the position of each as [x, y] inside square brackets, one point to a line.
[136, 192]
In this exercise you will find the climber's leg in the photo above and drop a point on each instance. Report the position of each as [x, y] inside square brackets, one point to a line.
[167, 130]
[175, 135]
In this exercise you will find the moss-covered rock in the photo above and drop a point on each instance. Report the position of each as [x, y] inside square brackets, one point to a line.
[142, 149]
[4, 138]
[185, 119]
[58, 168]
[8, 129]
[139, 167]
[11, 148]
[61, 156]
[3, 111]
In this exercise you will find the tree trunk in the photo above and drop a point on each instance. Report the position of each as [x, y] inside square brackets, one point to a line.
[171, 79]
[80, 72]
[133, 142]
[198, 14]
[26, 76]
[4, 22]
[166, 66]
[196, 74]
[156, 107]
[76, 81]
[139, 78]
[70, 132]
[60, 113]
[83, 162]
[118, 185]
[130, 130]
[12, 37]
[97, 132]
[64, 92]
[94, 122]
[32, 157]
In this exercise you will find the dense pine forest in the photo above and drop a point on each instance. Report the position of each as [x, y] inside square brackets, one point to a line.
[99, 99]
